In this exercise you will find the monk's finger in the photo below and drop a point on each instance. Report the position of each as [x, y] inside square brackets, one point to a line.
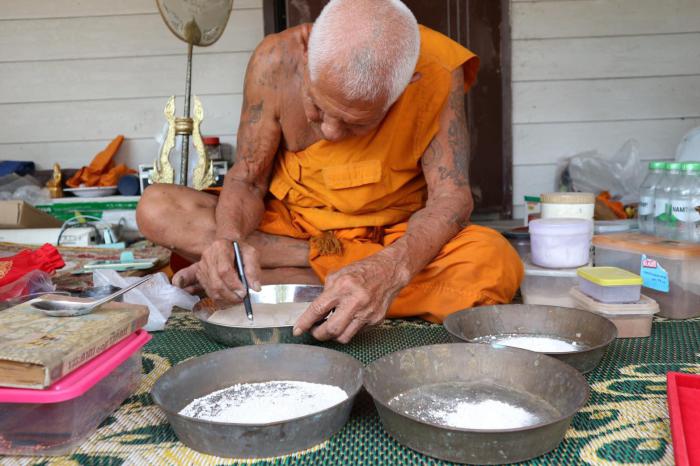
[336, 324]
[316, 311]
[230, 284]
[352, 329]
[251, 261]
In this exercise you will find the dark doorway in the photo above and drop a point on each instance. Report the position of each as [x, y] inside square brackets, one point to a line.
[483, 27]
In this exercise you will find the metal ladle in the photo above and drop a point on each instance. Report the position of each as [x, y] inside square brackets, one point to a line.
[63, 308]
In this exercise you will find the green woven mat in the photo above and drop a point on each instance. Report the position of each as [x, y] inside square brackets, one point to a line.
[625, 421]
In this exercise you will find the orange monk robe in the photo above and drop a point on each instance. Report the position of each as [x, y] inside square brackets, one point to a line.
[354, 197]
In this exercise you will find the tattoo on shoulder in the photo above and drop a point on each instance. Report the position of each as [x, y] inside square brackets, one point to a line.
[255, 113]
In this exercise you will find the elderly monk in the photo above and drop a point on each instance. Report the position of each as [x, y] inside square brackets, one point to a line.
[352, 163]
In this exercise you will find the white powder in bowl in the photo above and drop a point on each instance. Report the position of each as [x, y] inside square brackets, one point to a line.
[537, 343]
[488, 414]
[264, 315]
[265, 402]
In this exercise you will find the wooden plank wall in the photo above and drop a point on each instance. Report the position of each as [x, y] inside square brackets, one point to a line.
[590, 74]
[75, 73]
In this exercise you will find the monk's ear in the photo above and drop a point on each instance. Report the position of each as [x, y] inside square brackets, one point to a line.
[416, 76]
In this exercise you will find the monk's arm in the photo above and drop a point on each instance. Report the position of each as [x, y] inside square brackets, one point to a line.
[240, 206]
[449, 204]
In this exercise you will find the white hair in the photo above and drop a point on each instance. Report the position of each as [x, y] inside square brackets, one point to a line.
[370, 46]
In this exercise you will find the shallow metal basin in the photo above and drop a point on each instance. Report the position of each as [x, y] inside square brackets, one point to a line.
[248, 364]
[593, 332]
[240, 335]
[514, 373]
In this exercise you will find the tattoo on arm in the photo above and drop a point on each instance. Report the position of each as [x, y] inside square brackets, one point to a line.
[458, 139]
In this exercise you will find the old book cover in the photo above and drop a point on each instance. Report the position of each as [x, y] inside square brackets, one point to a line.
[36, 350]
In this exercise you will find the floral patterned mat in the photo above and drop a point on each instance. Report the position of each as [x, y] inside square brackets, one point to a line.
[625, 422]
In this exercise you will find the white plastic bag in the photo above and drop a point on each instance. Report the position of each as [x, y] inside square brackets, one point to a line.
[620, 175]
[157, 293]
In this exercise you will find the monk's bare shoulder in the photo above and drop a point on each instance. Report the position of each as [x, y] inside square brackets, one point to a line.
[276, 60]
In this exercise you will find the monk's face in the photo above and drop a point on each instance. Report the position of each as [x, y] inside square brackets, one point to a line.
[336, 116]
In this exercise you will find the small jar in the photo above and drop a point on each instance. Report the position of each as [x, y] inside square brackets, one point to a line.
[212, 147]
[568, 205]
[560, 242]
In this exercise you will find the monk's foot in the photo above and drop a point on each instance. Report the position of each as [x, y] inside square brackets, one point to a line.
[187, 279]
[289, 275]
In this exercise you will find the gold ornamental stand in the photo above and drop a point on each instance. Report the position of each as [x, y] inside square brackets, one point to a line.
[201, 23]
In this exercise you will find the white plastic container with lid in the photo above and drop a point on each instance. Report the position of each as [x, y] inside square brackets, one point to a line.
[548, 287]
[610, 284]
[560, 243]
[632, 319]
[568, 205]
[670, 270]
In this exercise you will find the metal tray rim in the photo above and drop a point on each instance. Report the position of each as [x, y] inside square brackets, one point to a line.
[449, 322]
[350, 398]
[565, 366]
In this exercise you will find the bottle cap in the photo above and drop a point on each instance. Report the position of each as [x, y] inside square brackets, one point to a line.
[691, 167]
[657, 165]
[673, 165]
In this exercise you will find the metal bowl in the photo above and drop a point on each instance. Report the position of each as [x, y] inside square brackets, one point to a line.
[198, 377]
[273, 294]
[503, 374]
[593, 332]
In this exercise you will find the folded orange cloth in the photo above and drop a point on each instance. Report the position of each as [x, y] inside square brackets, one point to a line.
[101, 171]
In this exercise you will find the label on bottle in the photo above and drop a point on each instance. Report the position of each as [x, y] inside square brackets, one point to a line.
[662, 211]
[654, 276]
[682, 211]
[646, 205]
[694, 210]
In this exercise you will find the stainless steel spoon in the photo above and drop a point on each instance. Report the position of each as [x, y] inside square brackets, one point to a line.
[62, 308]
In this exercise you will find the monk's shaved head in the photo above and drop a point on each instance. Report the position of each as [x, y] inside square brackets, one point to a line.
[367, 48]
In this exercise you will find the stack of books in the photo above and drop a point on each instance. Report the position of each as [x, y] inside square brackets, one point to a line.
[60, 377]
[36, 350]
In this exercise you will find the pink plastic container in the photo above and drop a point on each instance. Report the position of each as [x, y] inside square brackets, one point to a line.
[56, 420]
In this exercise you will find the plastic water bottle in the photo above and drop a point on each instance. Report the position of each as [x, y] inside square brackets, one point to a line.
[685, 204]
[663, 218]
[646, 201]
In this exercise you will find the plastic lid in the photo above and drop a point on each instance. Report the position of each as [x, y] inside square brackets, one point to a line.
[561, 226]
[645, 305]
[210, 140]
[568, 198]
[646, 244]
[82, 379]
[673, 165]
[691, 167]
[657, 165]
[609, 276]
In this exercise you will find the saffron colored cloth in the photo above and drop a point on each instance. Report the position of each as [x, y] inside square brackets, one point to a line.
[477, 267]
[46, 258]
[376, 179]
[101, 171]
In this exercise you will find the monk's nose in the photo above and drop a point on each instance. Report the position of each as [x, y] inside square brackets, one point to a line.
[332, 131]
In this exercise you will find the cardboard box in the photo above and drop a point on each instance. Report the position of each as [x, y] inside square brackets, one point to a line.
[19, 214]
[81, 237]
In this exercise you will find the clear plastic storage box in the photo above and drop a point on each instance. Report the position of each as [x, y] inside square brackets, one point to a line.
[547, 286]
[610, 284]
[631, 319]
[56, 420]
[670, 270]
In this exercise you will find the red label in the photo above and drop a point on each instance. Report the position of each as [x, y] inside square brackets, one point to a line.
[649, 263]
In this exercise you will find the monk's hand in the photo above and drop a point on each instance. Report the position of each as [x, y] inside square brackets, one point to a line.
[216, 271]
[354, 297]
